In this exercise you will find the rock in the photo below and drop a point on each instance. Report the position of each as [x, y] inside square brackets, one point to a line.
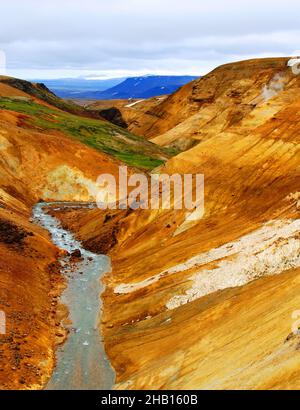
[114, 115]
[76, 253]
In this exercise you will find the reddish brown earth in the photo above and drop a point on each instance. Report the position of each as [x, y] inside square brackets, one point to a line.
[35, 164]
[230, 97]
[39, 93]
[226, 321]
[30, 283]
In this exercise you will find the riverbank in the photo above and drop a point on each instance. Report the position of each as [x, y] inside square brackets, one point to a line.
[81, 362]
[30, 287]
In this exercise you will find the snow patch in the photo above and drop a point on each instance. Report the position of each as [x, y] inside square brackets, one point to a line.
[133, 104]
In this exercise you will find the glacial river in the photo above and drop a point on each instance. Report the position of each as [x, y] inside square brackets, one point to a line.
[81, 361]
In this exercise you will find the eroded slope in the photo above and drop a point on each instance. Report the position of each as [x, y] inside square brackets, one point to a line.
[41, 110]
[211, 304]
[38, 160]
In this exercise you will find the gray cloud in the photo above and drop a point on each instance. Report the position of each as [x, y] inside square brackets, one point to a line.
[116, 37]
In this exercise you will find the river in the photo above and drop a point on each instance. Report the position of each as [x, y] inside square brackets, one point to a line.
[81, 361]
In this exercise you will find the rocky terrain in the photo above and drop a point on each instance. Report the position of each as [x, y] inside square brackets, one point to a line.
[135, 113]
[45, 153]
[204, 304]
[211, 304]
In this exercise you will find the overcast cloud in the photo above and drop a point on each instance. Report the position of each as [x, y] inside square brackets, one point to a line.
[116, 38]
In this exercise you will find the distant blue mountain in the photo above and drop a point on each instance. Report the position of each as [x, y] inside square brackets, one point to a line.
[116, 88]
[72, 87]
[140, 87]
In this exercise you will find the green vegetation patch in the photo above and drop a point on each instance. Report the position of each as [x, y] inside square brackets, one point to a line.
[106, 137]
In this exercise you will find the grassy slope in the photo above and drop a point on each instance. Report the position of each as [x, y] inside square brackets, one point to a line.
[119, 143]
[41, 92]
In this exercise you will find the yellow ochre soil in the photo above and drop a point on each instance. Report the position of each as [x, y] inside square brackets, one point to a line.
[35, 164]
[204, 305]
[210, 304]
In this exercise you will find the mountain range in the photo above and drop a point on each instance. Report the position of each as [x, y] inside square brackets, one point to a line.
[117, 88]
[202, 303]
[74, 87]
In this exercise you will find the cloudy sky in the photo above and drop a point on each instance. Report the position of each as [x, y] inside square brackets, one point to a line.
[113, 38]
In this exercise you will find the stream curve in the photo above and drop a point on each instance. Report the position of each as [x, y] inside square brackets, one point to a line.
[81, 361]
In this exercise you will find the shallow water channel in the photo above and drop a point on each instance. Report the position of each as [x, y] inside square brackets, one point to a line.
[81, 361]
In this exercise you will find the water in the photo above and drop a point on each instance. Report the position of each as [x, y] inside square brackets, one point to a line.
[81, 361]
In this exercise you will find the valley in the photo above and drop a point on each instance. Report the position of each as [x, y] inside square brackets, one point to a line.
[203, 304]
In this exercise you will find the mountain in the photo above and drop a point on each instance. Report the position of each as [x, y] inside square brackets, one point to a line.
[44, 110]
[39, 159]
[74, 87]
[202, 107]
[50, 150]
[140, 87]
[208, 303]
[212, 303]
[135, 113]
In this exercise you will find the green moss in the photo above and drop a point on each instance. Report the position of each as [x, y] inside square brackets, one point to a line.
[121, 144]
[139, 161]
